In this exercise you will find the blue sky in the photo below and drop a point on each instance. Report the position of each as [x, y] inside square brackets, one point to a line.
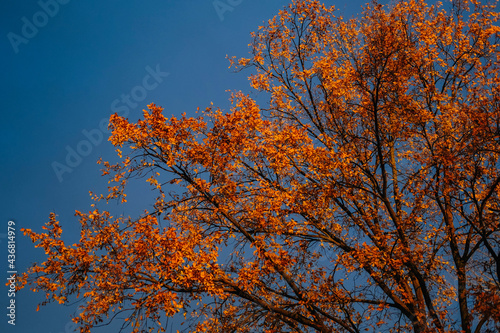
[67, 65]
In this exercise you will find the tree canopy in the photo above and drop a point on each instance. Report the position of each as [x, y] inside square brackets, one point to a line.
[363, 194]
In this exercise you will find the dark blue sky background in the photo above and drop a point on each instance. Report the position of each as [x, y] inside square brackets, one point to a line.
[61, 80]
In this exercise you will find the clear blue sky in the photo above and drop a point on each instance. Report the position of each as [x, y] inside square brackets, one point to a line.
[67, 65]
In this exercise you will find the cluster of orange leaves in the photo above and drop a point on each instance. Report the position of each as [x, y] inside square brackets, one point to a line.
[365, 197]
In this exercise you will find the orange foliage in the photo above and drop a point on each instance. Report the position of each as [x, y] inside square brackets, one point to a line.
[365, 196]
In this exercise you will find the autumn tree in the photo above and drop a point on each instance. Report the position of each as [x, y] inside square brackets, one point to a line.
[363, 196]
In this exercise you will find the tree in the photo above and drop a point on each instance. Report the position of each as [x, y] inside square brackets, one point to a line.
[364, 197]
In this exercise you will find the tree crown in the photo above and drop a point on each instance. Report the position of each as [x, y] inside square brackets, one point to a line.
[365, 196]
